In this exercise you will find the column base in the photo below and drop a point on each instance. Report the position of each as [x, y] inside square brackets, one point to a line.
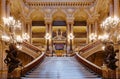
[3, 74]
[108, 73]
[16, 74]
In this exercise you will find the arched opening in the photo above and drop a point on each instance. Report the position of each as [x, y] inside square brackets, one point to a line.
[80, 29]
[59, 33]
[38, 28]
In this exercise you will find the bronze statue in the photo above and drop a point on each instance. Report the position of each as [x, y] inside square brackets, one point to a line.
[11, 59]
[110, 54]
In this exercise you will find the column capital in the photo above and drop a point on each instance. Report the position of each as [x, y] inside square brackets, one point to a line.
[70, 20]
[7, 1]
[93, 19]
[48, 20]
[28, 20]
[22, 18]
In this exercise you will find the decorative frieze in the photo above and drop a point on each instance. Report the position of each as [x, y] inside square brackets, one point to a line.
[54, 3]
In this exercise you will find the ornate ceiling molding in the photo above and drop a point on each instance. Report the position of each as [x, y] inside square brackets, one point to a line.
[60, 3]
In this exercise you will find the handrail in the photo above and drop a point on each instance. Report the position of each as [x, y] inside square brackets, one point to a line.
[31, 47]
[89, 46]
[32, 64]
[89, 64]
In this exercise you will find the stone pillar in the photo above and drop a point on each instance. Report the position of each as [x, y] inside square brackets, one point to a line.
[117, 13]
[3, 66]
[111, 8]
[3, 47]
[29, 29]
[3, 8]
[48, 22]
[90, 31]
[96, 27]
[22, 20]
[87, 41]
[8, 8]
[116, 8]
[70, 21]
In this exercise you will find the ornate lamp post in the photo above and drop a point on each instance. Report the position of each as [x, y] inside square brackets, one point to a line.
[71, 36]
[47, 37]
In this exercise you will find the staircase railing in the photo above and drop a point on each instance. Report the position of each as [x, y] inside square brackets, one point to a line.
[32, 47]
[32, 64]
[89, 46]
[84, 61]
[37, 60]
[88, 64]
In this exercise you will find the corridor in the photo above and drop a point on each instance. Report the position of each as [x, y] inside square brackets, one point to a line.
[60, 68]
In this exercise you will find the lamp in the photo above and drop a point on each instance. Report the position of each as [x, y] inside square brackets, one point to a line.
[47, 37]
[70, 36]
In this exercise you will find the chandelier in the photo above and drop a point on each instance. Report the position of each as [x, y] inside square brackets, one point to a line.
[110, 29]
[10, 36]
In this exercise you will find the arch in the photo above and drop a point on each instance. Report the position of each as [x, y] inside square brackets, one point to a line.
[59, 15]
[37, 15]
[80, 15]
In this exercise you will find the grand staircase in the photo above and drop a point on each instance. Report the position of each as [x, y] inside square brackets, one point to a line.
[60, 68]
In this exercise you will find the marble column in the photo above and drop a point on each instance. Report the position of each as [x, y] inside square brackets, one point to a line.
[96, 27]
[70, 21]
[116, 8]
[48, 22]
[90, 31]
[3, 66]
[22, 20]
[111, 8]
[87, 40]
[3, 8]
[29, 29]
[8, 8]
[117, 13]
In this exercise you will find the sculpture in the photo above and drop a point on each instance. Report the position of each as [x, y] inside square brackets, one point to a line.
[110, 54]
[11, 59]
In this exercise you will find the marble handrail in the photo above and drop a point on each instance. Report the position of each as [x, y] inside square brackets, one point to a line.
[32, 64]
[89, 46]
[89, 64]
[30, 46]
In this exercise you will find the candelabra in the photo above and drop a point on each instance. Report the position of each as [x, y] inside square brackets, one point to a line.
[10, 36]
[110, 29]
